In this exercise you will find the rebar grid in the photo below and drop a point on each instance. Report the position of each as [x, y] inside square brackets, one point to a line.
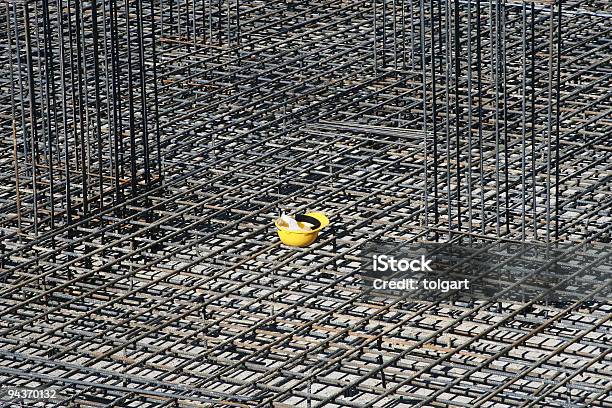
[180, 294]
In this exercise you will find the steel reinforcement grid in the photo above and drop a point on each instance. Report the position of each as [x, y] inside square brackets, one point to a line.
[146, 148]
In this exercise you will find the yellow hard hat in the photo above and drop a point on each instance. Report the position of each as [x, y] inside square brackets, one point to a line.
[304, 238]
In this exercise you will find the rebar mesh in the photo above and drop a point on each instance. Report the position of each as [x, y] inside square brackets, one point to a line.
[147, 148]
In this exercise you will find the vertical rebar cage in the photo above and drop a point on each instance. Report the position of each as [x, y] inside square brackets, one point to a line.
[84, 104]
[200, 22]
[493, 93]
